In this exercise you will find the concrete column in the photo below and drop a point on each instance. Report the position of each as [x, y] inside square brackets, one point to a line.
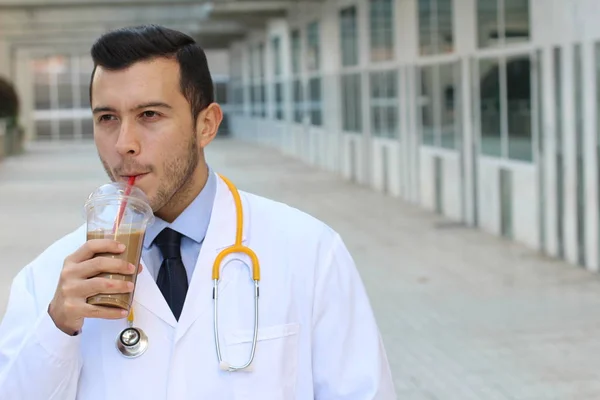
[407, 48]
[549, 132]
[5, 60]
[24, 84]
[569, 151]
[76, 90]
[465, 21]
[590, 146]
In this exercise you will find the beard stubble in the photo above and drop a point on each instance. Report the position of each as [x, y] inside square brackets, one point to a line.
[177, 181]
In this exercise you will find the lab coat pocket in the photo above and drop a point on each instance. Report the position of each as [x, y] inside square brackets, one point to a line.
[272, 374]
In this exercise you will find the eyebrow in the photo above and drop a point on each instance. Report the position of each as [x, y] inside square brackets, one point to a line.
[138, 107]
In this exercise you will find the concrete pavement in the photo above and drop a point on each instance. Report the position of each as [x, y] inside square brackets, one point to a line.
[464, 315]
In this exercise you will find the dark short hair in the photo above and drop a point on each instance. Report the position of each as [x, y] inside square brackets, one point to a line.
[121, 48]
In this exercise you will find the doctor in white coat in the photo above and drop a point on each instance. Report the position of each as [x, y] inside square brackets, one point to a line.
[154, 113]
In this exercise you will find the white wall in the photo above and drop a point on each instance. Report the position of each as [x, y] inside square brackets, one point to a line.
[386, 169]
[218, 62]
[525, 202]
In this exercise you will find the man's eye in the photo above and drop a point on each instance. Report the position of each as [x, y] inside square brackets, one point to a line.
[106, 118]
[149, 114]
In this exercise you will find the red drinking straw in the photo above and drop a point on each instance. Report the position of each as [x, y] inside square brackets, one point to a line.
[123, 204]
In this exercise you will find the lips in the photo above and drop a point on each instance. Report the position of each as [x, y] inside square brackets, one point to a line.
[137, 176]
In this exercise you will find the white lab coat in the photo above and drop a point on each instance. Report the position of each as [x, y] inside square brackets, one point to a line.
[318, 338]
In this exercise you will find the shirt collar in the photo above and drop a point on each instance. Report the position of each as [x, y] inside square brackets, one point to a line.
[193, 221]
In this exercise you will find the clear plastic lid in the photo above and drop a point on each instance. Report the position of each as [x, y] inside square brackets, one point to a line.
[112, 195]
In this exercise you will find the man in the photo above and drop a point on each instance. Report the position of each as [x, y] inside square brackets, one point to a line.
[154, 113]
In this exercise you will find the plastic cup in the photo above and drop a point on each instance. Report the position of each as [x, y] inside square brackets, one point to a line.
[102, 211]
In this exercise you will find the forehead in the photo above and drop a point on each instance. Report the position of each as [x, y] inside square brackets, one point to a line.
[157, 79]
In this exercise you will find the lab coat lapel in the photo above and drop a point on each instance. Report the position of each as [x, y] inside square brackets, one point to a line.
[148, 295]
[220, 234]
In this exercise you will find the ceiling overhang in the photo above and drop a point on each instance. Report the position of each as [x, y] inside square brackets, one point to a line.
[60, 23]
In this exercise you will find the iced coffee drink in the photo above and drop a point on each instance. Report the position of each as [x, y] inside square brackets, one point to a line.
[118, 212]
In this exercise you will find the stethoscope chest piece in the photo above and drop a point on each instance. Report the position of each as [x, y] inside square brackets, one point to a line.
[132, 342]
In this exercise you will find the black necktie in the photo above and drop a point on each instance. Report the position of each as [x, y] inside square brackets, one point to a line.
[172, 278]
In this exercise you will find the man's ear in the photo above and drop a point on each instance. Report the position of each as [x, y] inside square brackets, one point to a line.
[207, 123]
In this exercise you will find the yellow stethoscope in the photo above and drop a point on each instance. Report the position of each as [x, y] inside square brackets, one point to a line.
[132, 341]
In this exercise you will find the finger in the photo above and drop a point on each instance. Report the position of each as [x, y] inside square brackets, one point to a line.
[94, 286]
[95, 246]
[91, 311]
[140, 267]
[100, 264]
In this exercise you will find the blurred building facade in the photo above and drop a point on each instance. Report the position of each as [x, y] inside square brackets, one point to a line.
[484, 111]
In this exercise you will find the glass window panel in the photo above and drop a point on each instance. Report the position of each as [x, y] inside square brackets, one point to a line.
[426, 27]
[487, 22]
[87, 127]
[315, 101]
[251, 65]
[427, 106]
[66, 129]
[349, 35]
[235, 64]
[376, 121]
[390, 88]
[275, 43]
[391, 121]
[296, 49]
[221, 92]
[84, 96]
[518, 91]
[241, 98]
[445, 26]
[381, 18]
[279, 101]
[263, 100]
[447, 107]
[65, 96]
[489, 89]
[384, 103]
[298, 96]
[358, 102]
[435, 26]
[42, 96]
[515, 16]
[252, 101]
[312, 39]
[516, 21]
[351, 103]
[261, 60]
[43, 130]
[346, 103]
[258, 100]
[375, 85]
[64, 85]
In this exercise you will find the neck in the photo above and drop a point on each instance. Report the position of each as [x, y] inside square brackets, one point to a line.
[185, 195]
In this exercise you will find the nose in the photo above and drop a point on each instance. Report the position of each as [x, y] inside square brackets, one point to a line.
[128, 143]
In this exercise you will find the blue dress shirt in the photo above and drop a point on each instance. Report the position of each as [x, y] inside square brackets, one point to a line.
[192, 223]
